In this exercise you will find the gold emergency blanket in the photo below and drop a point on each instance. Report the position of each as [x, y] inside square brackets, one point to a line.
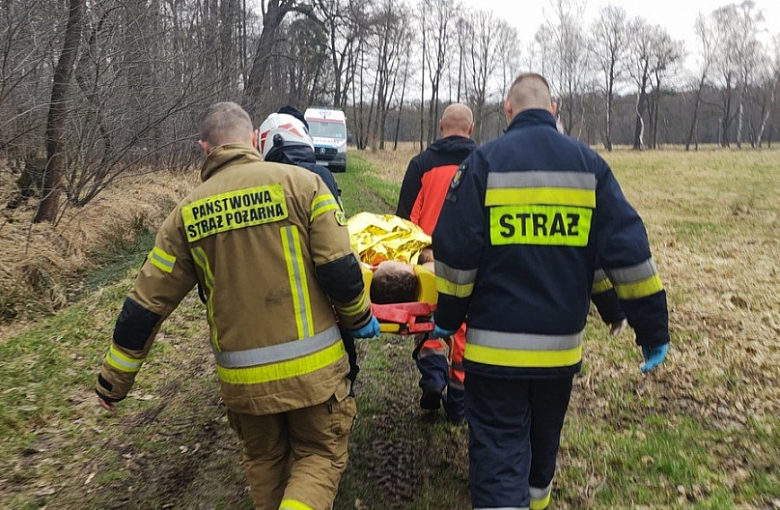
[379, 237]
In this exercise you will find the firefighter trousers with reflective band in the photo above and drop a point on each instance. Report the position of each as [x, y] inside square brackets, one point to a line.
[294, 460]
[438, 369]
[514, 434]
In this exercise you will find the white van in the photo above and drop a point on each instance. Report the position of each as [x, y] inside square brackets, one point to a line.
[328, 128]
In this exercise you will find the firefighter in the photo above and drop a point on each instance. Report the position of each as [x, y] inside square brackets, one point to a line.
[423, 190]
[267, 246]
[516, 246]
[284, 137]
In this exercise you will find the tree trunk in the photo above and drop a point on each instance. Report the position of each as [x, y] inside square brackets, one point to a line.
[55, 123]
[695, 121]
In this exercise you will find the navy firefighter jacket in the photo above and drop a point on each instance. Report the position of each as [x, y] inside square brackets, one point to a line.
[525, 220]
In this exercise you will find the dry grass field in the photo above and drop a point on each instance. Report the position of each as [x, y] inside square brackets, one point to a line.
[701, 432]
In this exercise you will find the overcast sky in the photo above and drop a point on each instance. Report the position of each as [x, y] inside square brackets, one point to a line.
[678, 16]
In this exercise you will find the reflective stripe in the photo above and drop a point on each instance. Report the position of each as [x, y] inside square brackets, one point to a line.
[162, 260]
[458, 276]
[540, 503]
[321, 204]
[545, 196]
[122, 361]
[503, 508]
[291, 504]
[428, 351]
[279, 352]
[638, 290]
[202, 260]
[503, 340]
[635, 273]
[637, 281]
[352, 309]
[601, 282]
[299, 286]
[454, 289]
[538, 187]
[522, 350]
[540, 492]
[539, 179]
[284, 369]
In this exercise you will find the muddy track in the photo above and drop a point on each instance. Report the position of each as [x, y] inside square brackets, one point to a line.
[401, 455]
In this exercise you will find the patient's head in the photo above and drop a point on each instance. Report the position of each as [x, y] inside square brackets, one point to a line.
[393, 282]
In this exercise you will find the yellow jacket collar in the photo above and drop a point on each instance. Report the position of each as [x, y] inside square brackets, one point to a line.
[224, 155]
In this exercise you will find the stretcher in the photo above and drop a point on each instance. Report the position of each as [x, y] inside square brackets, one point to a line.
[407, 318]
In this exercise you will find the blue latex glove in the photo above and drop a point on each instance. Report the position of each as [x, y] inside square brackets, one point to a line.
[441, 333]
[370, 330]
[654, 356]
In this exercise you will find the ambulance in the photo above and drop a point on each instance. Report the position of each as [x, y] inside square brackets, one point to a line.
[328, 128]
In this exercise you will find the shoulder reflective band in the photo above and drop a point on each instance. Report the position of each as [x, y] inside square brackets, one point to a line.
[202, 261]
[234, 210]
[536, 187]
[322, 204]
[601, 282]
[162, 260]
[548, 225]
[292, 504]
[280, 352]
[637, 281]
[455, 282]
[123, 362]
[522, 350]
[296, 271]
[284, 369]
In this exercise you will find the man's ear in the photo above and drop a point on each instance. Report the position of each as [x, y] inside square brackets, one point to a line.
[255, 138]
[554, 108]
[441, 127]
[508, 110]
[205, 146]
[471, 129]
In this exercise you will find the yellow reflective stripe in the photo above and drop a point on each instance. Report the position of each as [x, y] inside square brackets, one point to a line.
[123, 362]
[296, 272]
[162, 260]
[547, 196]
[640, 289]
[353, 309]
[522, 358]
[460, 290]
[201, 259]
[327, 197]
[285, 369]
[602, 286]
[292, 504]
[541, 504]
[329, 207]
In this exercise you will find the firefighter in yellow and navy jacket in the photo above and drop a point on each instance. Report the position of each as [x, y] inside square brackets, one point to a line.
[268, 246]
[527, 218]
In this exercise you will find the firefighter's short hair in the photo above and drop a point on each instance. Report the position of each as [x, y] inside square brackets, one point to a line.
[225, 122]
[526, 76]
[394, 287]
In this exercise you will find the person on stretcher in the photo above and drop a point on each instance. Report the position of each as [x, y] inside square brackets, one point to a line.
[391, 247]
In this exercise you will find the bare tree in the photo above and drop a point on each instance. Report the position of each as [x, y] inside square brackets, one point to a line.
[482, 64]
[706, 35]
[55, 125]
[439, 14]
[771, 82]
[666, 54]
[640, 69]
[608, 47]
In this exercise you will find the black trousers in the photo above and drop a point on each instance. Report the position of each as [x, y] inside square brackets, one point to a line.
[514, 435]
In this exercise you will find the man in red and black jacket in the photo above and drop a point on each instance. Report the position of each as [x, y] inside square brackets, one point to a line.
[423, 191]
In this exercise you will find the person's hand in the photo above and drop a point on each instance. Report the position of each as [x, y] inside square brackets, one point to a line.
[441, 332]
[616, 328]
[654, 356]
[370, 330]
[108, 406]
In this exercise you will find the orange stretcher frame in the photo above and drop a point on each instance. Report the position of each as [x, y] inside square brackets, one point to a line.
[407, 318]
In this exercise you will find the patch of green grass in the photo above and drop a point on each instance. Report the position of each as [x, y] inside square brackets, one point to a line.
[362, 189]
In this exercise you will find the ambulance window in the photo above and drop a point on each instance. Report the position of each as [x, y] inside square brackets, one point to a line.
[321, 129]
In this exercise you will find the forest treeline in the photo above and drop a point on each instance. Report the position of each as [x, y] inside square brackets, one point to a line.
[91, 89]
